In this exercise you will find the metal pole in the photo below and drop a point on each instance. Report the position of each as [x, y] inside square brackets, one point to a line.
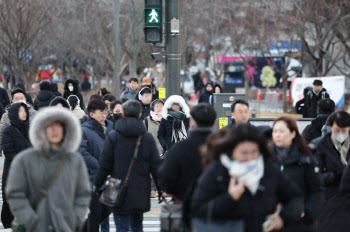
[172, 48]
[116, 50]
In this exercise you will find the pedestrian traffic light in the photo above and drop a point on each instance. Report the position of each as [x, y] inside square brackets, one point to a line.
[153, 21]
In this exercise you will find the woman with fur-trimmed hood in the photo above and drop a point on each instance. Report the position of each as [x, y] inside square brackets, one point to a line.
[55, 134]
[175, 122]
[71, 87]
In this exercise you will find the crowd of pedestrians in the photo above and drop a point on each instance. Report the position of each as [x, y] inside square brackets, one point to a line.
[60, 157]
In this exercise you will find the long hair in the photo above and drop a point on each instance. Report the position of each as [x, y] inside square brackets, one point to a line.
[301, 143]
[225, 140]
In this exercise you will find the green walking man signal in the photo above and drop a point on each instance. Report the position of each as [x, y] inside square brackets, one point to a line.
[153, 21]
[154, 16]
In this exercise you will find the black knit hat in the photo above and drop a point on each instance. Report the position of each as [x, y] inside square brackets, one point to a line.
[325, 106]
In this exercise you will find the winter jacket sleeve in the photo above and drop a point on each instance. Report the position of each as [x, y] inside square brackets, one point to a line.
[6, 99]
[200, 98]
[208, 190]
[106, 160]
[314, 194]
[82, 194]
[169, 172]
[297, 106]
[82, 105]
[307, 133]
[35, 104]
[85, 151]
[328, 177]
[154, 160]
[291, 200]
[5, 121]
[345, 182]
[161, 135]
[16, 191]
[123, 95]
[8, 144]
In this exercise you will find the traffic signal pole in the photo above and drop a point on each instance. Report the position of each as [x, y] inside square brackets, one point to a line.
[172, 47]
[116, 50]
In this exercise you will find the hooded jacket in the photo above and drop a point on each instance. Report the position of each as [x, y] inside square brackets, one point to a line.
[129, 94]
[312, 99]
[166, 124]
[75, 91]
[15, 138]
[66, 202]
[43, 99]
[5, 120]
[92, 143]
[207, 95]
[116, 157]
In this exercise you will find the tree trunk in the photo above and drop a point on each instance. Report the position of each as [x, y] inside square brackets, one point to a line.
[285, 87]
[132, 68]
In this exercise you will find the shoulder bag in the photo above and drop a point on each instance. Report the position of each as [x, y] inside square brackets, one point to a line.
[114, 193]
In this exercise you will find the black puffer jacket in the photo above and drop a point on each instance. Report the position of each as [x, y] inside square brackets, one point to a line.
[116, 157]
[303, 173]
[273, 189]
[182, 164]
[330, 164]
[205, 97]
[314, 130]
[15, 138]
[75, 91]
[165, 132]
[311, 102]
[146, 110]
[43, 99]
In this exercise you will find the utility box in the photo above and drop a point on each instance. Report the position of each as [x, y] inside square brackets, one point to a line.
[222, 104]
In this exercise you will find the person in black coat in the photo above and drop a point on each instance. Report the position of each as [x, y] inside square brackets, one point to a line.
[207, 95]
[314, 130]
[14, 140]
[300, 168]
[45, 96]
[300, 106]
[4, 98]
[230, 189]
[314, 96]
[336, 214]
[175, 122]
[239, 113]
[182, 165]
[28, 97]
[71, 87]
[333, 153]
[115, 158]
[145, 97]
[54, 89]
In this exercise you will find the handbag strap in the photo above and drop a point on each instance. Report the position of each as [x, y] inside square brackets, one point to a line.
[52, 179]
[138, 143]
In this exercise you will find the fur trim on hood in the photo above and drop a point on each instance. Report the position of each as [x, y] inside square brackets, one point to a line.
[179, 100]
[45, 117]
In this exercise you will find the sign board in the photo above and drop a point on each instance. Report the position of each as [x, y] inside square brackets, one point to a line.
[162, 93]
[223, 122]
[334, 85]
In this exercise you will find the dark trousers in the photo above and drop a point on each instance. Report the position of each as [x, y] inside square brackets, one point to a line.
[122, 222]
[98, 213]
[6, 215]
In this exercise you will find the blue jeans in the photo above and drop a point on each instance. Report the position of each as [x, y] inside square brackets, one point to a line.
[122, 222]
[105, 225]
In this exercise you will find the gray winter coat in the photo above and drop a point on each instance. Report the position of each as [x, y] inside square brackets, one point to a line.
[66, 202]
[129, 94]
[5, 120]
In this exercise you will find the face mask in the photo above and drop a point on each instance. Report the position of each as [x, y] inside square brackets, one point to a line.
[71, 88]
[340, 137]
[251, 171]
[117, 116]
